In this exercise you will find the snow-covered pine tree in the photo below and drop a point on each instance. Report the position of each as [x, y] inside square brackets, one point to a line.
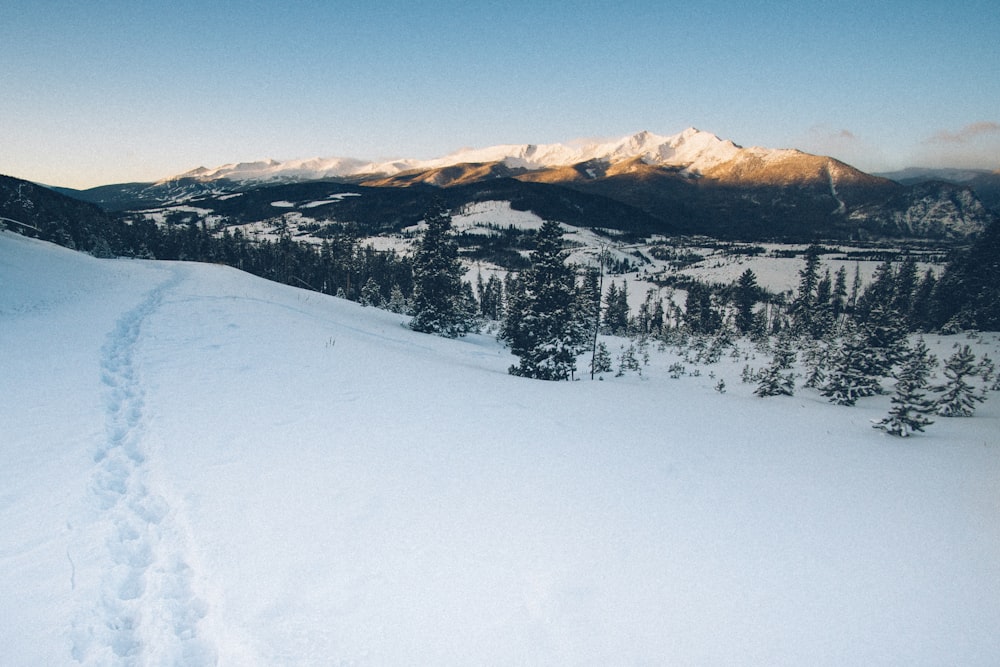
[777, 379]
[855, 295]
[589, 297]
[649, 319]
[881, 291]
[838, 299]
[700, 312]
[601, 361]
[616, 310]
[747, 294]
[885, 337]
[439, 298]
[910, 404]
[803, 307]
[494, 290]
[920, 362]
[547, 333]
[816, 356]
[854, 370]
[627, 361]
[905, 287]
[958, 397]
[371, 295]
[922, 306]
[397, 301]
[822, 318]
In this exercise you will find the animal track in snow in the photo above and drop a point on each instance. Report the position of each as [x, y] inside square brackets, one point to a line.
[148, 611]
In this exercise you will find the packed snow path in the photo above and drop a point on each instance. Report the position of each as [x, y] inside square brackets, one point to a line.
[147, 612]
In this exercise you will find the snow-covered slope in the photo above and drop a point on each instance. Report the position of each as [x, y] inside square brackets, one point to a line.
[200, 467]
[692, 149]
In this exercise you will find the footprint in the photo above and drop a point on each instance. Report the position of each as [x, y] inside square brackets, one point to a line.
[147, 590]
[133, 587]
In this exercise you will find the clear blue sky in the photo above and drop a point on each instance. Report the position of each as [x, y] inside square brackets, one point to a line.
[112, 91]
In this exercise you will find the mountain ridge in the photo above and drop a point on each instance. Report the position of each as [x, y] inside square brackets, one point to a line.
[692, 182]
[691, 148]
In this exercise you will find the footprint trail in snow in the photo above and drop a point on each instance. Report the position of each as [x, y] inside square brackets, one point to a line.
[147, 611]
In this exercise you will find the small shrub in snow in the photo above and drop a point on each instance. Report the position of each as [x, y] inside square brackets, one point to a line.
[627, 361]
[601, 362]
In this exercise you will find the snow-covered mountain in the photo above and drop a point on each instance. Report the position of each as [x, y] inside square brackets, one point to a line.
[203, 468]
[692, 182]
[691, 149]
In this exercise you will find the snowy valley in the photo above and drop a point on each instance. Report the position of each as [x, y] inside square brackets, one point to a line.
[203, 467]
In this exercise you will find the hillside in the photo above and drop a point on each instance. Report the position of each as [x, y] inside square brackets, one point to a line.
[201, 467]
[35, 210]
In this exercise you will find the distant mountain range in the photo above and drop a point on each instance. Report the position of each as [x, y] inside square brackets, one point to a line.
[688, 183]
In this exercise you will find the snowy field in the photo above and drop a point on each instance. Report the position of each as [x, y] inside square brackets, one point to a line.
[776, 268]
[200, 467]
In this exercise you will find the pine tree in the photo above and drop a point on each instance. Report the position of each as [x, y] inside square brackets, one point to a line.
[371, 295]
[494, 293]
[439, 300]
[481, 293]
[490, 296]
[777, 378]
[853, 370]
[547, 333]
[822, 318]
[627, 361]
[839, 299]
[881, 292]
[922, 306]
[700, 314]
[616, 309]
[958, 397]
[910, 405]
[905, 288]
[919, 363]
[968, 292]
[397, 301]
[601, 361]
[815, 356]
[852, 300]
[747, 294]
[590, 293]
[885, 336]
[805, 298]
[647, 321]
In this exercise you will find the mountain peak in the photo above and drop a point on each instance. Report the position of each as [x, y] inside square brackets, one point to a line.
[692, 150]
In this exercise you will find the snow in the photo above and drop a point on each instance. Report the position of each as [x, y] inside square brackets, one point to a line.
[160, 215]
[692, 149]
[480, 215]
[202, 467]
[331, 199]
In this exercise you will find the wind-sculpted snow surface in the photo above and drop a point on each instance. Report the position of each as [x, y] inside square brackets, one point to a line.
[147, 612]
[200, 467]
